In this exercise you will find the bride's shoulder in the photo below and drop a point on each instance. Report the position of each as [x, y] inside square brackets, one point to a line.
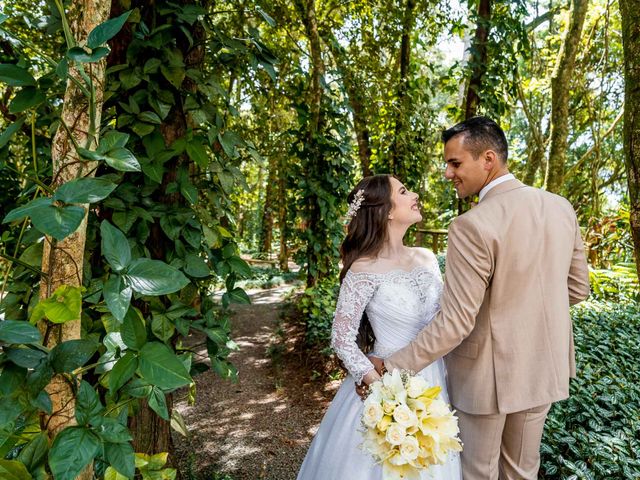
[366, 265]
[421, 253]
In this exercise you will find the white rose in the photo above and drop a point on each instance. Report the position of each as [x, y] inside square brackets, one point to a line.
[416, 386]
[388, 407]
[404, 416]
[372, 414]
[409, 448]
[396, 434]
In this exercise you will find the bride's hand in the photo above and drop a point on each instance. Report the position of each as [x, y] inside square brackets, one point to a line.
[363, 389]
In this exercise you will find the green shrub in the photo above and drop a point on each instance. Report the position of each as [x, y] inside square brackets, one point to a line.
[317, 305]
[618, 284]
[594, 433]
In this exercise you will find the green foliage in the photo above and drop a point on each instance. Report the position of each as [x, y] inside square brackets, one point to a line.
[618, 285]
[593, 434]
[159, 234]
[317, 306]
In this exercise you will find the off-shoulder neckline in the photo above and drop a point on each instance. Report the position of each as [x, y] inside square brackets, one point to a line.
[394, 270]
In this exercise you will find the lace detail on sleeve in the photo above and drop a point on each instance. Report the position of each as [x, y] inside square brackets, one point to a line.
[355, 292]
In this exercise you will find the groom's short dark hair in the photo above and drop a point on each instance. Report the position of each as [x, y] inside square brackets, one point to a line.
[480, 134]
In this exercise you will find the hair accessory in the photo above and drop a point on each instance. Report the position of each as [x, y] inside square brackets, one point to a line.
[354, 206]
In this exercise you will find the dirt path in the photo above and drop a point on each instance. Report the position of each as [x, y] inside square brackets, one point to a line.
[261, 426]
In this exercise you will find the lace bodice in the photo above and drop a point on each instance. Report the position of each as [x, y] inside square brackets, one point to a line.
[398, 303]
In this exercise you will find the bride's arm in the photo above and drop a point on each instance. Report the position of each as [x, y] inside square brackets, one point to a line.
[355, 292]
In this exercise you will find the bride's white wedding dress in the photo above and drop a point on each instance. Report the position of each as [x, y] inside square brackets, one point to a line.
[399, 304]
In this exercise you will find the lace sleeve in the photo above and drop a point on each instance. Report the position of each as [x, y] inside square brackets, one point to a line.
[355, 292]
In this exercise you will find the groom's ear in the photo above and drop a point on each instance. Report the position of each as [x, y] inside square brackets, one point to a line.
[490, 160]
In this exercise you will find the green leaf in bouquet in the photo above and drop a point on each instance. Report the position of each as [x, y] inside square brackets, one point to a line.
[115, 246]
[160, 366]
[154, 277]
[71, 451]
[18, 331]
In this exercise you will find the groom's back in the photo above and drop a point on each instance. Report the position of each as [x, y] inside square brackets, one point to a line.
[522, 333]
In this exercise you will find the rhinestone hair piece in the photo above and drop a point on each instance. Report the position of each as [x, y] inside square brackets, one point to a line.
[354, 206]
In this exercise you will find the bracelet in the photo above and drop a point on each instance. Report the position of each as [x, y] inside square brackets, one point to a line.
[383, 370]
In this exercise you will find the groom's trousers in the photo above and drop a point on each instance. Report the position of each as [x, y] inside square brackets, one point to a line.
[502, 446]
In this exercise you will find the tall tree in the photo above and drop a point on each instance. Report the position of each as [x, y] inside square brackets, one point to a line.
[62, 261]
[561, 82]
[398, 150]
[478, 58]
[631, 45]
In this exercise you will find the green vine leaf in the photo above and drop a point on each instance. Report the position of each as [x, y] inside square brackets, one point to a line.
[154, 277]
[14, 331]
[13, 470]
[25, 99]
[84, 190]
[61, 307]
[160, 366]
[106, 30]
[115, 248]
[15, 76]
[72, 450]
[117, 296]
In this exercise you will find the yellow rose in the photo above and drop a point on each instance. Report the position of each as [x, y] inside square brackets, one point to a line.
[409, 448]
[384, 423]
[404, 416]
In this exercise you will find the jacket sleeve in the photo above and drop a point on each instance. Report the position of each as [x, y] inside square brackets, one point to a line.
[578, 279]
[469, 269]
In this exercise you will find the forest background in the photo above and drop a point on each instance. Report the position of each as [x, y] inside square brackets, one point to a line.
[151, 151]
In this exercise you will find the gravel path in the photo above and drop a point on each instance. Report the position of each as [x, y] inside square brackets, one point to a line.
[261, 426]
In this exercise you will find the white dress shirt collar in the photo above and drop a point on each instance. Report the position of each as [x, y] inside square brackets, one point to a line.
[493, 183]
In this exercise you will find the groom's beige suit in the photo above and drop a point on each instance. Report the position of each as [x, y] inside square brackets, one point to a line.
[515, 263]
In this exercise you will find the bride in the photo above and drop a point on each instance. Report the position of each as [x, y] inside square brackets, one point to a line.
[391, 290]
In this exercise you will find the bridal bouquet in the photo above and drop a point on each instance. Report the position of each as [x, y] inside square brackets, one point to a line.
[407, 427]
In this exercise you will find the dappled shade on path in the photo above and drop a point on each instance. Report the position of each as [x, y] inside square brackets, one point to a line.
[261, 426]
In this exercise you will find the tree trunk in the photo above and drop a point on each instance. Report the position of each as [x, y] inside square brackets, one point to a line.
[631, 47]
[62, 261]
[560, 88]
[356, 100]
[398, 150]
[478, 59]
[266, 230]
[283, 255]
[315, 159]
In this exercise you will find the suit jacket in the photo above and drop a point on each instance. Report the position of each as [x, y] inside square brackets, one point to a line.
[515, 263]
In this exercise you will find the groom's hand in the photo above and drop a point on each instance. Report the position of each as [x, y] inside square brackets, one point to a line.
[378, 364]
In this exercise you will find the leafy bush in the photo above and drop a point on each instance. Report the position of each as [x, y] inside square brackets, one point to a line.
[619, 284]
[594, 433]
[267, 277]
[317, 305]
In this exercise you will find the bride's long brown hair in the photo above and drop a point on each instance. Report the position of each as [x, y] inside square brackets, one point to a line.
[366, 234]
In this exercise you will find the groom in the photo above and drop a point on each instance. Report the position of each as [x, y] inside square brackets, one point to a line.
[515, 263]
